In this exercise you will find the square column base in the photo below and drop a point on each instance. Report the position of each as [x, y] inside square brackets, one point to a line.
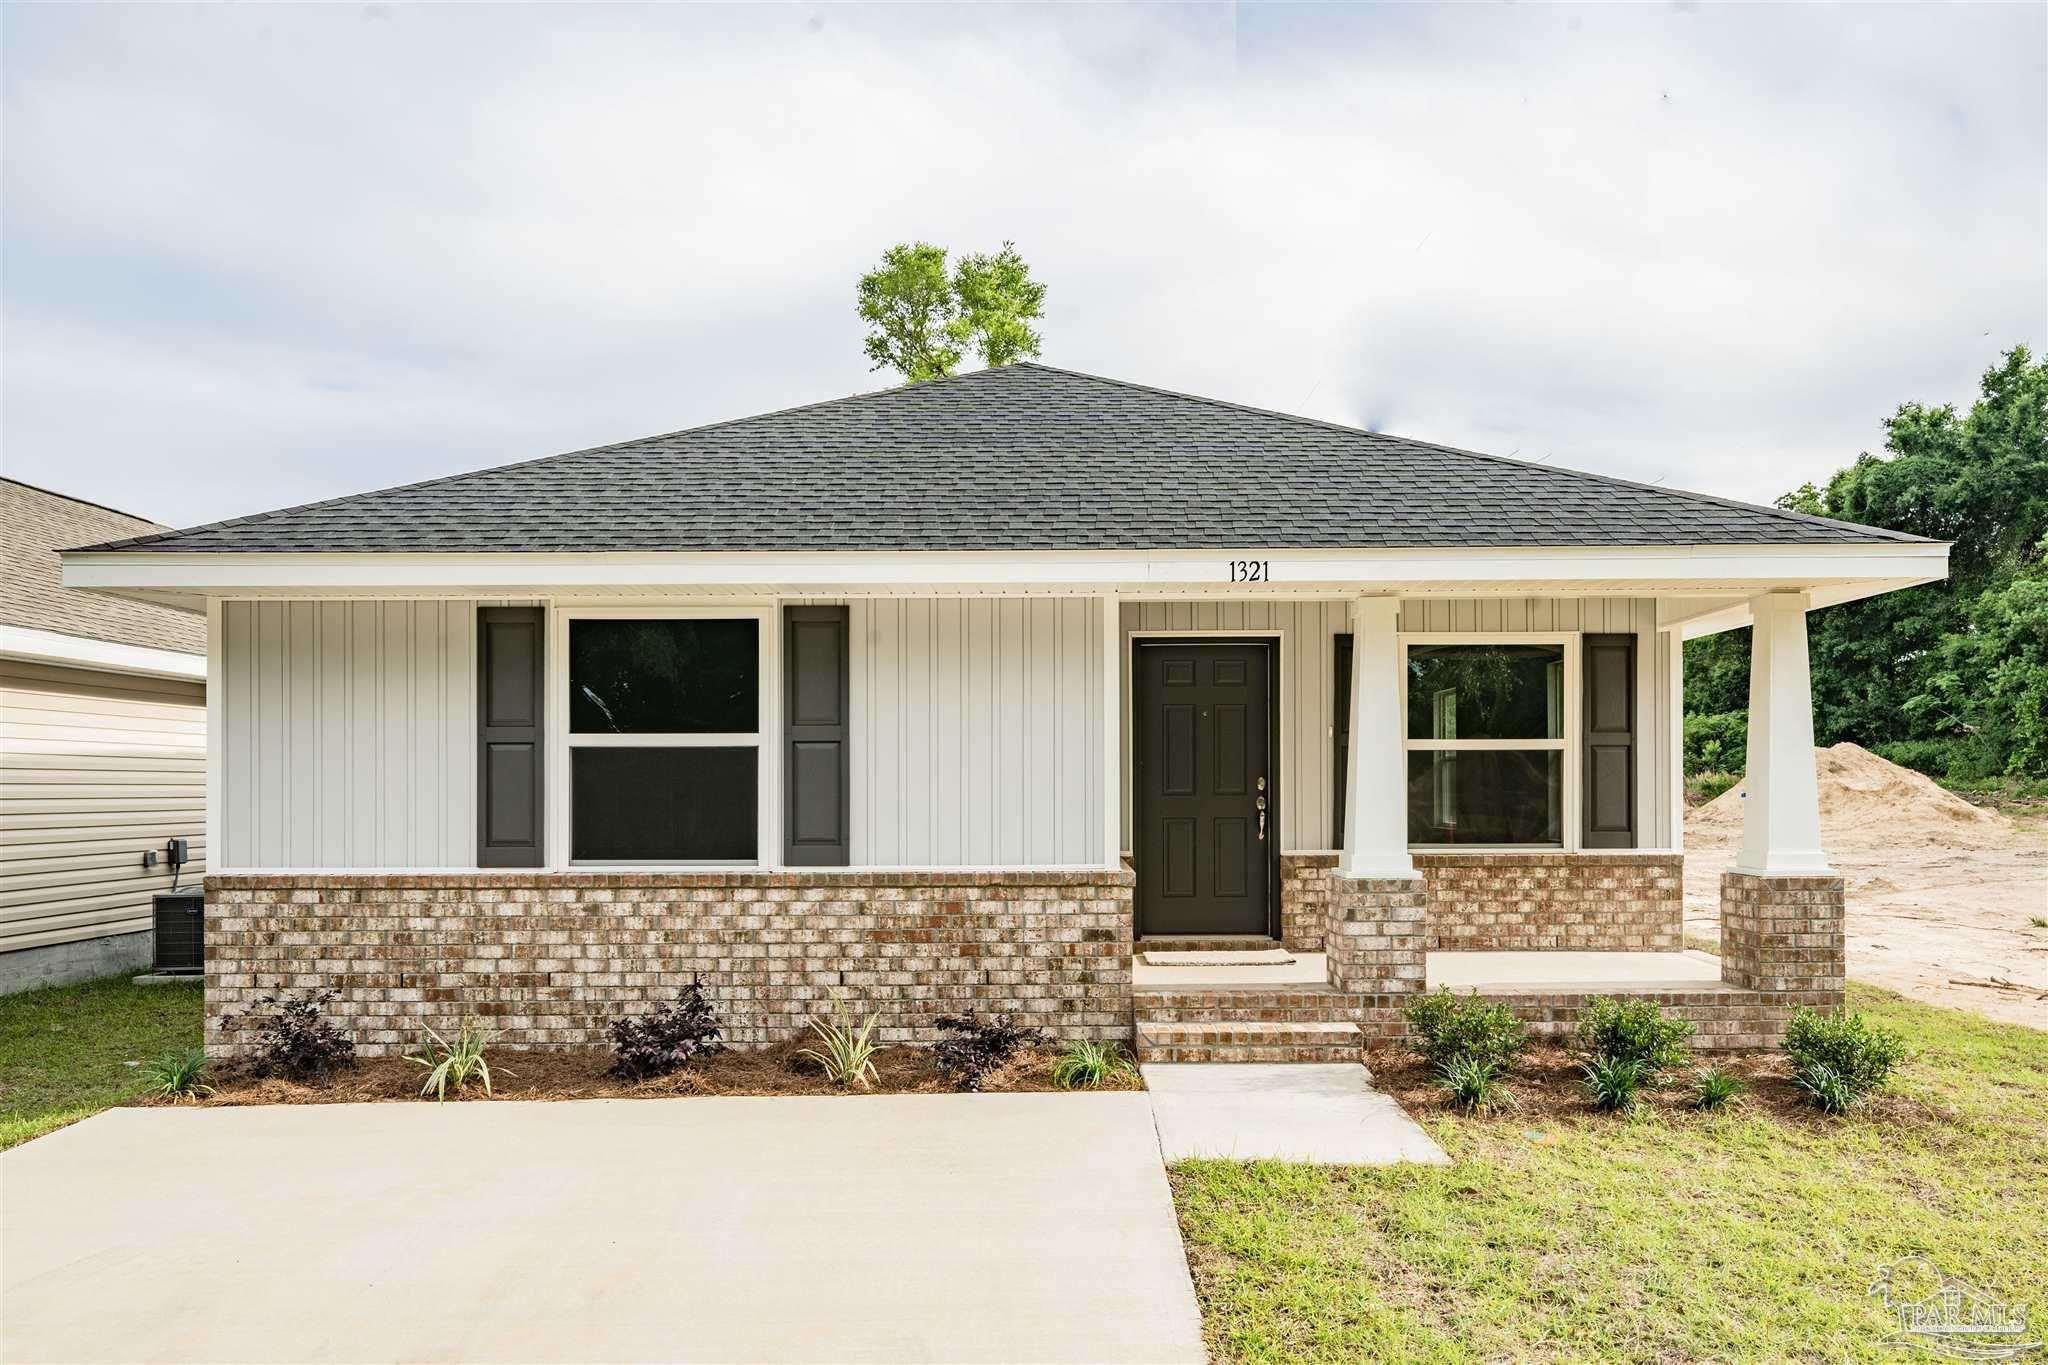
[1784, 935]
[1377, 941]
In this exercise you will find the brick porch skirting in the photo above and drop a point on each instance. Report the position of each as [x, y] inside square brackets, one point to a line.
[550, 959]
[1782, 947]
[1594, 901]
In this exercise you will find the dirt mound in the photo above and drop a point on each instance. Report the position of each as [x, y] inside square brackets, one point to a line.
[1866, 801]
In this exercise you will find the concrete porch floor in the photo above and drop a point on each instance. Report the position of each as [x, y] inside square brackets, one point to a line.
[1485, 972]
[1491, 973]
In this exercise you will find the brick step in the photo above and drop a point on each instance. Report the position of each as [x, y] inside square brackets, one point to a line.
[1259, 1041]
[1306, 1003]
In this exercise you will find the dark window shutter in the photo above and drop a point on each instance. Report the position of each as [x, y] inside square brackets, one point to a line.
[511, 690]
[1340, 733]
[1610, 778]
[815, 826]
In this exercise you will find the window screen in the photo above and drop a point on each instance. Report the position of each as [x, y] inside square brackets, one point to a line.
[664, 804]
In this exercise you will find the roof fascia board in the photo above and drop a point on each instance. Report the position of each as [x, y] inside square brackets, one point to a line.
[1766, 565]
[76, 651]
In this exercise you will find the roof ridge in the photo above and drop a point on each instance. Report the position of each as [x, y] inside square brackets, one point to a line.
[73, 497]
[256, 518]
[1784, 513]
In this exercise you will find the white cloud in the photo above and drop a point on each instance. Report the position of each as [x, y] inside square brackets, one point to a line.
[259, 255]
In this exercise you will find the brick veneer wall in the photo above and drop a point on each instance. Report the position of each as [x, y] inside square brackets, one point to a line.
[1621, 901]
[1305, 899]
[550, 959]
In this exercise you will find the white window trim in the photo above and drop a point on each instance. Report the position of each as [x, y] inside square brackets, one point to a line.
[1568, 745]
[766, 740]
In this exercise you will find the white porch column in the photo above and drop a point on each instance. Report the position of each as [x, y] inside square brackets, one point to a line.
[1781, 812]
[1376, 778]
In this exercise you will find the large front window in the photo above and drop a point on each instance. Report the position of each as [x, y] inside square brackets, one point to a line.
[664, 738]
[1486, 743]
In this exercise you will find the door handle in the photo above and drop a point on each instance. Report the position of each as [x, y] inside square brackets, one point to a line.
[1262, 813]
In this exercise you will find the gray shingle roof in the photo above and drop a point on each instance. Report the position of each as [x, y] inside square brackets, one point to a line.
[1023, 458]
[36, 523]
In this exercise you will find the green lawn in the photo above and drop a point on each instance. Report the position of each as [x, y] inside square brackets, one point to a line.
[1677, 1238]
[64, 1050]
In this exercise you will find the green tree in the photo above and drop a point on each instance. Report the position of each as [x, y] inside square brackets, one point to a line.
[922, 319]
[908, 303]
[998, 301]
[1932, 663]
[1989, 682]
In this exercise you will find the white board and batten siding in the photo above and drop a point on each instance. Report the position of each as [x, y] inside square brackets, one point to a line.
[350, 730]
[978, 733]
[1307, 632]
[94, 768]
[349, 734]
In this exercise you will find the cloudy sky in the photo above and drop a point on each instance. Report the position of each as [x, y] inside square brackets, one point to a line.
[260, 255]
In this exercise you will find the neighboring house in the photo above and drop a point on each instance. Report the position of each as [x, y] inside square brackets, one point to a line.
[947, 696]
[102, 749]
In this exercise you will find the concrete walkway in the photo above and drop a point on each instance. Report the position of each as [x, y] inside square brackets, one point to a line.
[897, 1228]
[1282, 1112]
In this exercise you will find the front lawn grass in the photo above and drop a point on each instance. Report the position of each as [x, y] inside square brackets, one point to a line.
[1676, 1236]
[64, 1050]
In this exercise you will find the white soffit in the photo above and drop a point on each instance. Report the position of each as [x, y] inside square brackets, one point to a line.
[1833, 572]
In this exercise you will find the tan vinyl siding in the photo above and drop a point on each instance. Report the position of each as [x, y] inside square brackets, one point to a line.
[977, 735]
[350, 734]
[94, 769]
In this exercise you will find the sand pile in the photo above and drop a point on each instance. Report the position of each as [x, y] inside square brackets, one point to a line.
[1868, 802]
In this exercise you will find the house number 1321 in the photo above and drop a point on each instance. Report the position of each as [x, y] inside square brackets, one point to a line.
[1251, 571]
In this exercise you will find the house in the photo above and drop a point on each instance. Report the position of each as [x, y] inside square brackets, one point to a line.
[102, 749]
[953, 695]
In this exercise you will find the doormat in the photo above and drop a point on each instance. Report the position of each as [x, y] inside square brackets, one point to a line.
[1256, 957]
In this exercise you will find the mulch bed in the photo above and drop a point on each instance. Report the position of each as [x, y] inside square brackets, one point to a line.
[579, 1074]
[1547, 1085]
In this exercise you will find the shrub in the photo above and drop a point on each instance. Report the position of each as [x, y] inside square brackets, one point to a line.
[1837, 1058]
[1713, 1088]
[1473, 1083]
[1085, 1064]
[844, 1052]
[1933, 757]
[178, 1075]
[665, 1039]
[1446, 1027]
[1701, 788]
[1634, 1031]
[1717, 743]
[1614, 1083]
[1826, 1088]
[973, 1047]
[454, 1063]
[295, 1038]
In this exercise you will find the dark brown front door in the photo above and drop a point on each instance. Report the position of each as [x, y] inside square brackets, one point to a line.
[1205, 792]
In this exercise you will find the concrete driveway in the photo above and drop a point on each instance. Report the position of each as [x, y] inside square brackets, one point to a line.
[898, 1228]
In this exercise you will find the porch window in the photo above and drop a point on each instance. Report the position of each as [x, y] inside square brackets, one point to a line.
[664, 738]
[1486, 744]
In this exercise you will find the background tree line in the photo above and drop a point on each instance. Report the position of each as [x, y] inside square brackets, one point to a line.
[1950, 678]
